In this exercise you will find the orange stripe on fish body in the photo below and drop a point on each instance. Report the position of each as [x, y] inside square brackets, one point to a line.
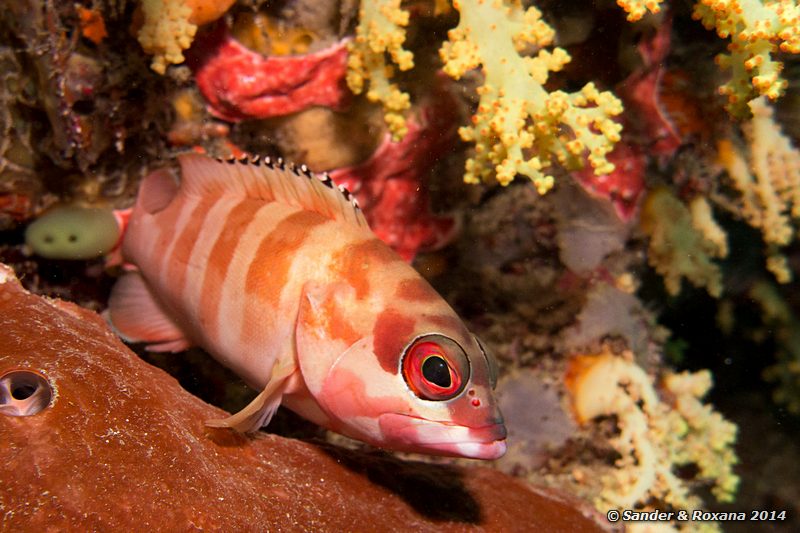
[274, 271]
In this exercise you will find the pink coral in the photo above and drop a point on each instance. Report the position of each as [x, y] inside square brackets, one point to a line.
[624, 186]
[241, 84]
[641, 93]
[665, 109]
[390, 184]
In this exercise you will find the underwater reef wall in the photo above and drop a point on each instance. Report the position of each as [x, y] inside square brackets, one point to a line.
[608, 193]
[94, 438]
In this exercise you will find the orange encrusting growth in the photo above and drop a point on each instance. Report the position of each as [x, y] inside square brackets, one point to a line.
[93, 27]
[205, 11]
[578, 369]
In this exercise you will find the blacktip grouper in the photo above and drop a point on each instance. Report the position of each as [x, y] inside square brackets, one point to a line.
[273, 270]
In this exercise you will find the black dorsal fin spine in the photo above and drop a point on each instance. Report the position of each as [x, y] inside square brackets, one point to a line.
[293, 171]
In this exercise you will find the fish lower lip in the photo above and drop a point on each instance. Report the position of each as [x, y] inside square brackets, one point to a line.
[485, 442]
[487, 450]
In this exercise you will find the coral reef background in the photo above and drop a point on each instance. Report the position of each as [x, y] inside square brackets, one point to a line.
[608, 194]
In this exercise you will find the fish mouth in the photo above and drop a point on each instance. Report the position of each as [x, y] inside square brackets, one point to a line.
[414, 434]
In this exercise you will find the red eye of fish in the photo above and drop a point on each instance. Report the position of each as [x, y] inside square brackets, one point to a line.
[435, 367]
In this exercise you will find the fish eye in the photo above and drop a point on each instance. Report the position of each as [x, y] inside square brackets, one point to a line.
[435, 367]
[436, 371]
[491, 361]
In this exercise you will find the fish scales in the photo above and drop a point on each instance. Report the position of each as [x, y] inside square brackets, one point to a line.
[275, 273]
[267, 247]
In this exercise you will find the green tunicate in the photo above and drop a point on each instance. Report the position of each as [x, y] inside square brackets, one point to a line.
[73, 232]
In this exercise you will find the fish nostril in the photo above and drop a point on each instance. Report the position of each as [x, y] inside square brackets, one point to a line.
[24, 393]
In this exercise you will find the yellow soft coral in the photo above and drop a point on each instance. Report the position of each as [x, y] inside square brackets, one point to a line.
[758, 29]
[166, 32]
[706, 438]
[677, 248]
[519, 127]
[381, 30]
[636, 9]
[703, 221]
[768, 181]
[169, 27]
[659, 429]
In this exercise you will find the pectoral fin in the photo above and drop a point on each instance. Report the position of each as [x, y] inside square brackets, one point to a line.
[136, 315]
[259, 412]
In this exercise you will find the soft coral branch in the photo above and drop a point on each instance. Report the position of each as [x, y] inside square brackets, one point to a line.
[519, 126]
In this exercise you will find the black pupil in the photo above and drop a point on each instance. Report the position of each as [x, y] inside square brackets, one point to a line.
[435, 370]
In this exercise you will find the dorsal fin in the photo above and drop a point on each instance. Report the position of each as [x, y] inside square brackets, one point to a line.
[270, 180]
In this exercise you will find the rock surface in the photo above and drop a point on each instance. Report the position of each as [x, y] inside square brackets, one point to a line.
[122, 447]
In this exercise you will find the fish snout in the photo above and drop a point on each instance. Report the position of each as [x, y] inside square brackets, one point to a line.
[492, 432]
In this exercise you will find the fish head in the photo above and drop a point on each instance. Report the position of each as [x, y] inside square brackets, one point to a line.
[452, 409]
[412, 384]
